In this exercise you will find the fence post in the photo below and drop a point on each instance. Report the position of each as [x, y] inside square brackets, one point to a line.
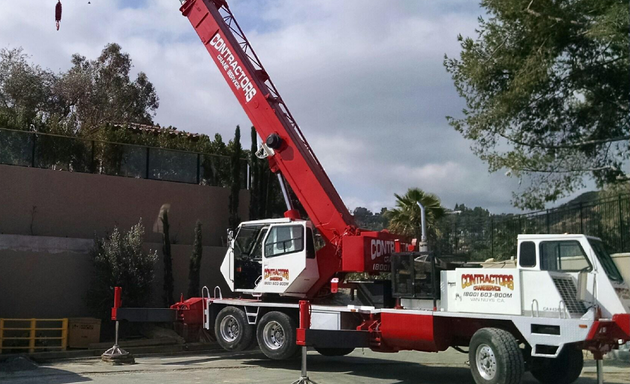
[93, 159]
[33, 150]
[581, 220]
[621, 240]
[548, 226]
[64, 334]
[32, 333]
[147, 168]
[492, 236]
[198, 168]
[1, 333]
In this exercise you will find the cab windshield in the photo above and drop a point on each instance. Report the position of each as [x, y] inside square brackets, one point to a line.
[606, 261]
[246, 240]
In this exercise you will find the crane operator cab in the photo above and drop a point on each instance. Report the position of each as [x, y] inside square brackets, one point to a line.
[271, 256]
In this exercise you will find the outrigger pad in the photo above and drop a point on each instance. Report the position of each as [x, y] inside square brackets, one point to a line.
[117, 356]
[337, 339]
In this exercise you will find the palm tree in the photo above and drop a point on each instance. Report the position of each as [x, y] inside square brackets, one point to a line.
[405, 219]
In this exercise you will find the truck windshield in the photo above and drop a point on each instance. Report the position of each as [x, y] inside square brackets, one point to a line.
[245, 240]
[563, 256]
[607, 262]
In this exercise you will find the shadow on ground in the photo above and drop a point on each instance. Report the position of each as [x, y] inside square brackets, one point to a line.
[399, 372]
[44, 375]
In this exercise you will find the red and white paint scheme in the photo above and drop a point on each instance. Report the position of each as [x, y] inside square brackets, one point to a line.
[563, 295]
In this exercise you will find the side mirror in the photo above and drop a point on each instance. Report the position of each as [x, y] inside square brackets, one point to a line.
[230, 235]
[582, 289]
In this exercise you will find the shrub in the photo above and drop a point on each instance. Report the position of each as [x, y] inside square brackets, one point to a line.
[119, 261]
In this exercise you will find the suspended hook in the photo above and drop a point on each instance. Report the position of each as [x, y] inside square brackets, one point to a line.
[58, 13]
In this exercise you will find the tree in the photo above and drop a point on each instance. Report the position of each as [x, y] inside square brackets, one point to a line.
[169, 288]
[90, 94]
[25, 89]
[195, 262]
[405, 219]
[119, 261]
[94, 92]
[235, 186]
[368, 220]
[255, 201]
[547, 93]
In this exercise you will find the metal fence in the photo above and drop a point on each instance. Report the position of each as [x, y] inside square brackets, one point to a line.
[482, 236]
[50, 151]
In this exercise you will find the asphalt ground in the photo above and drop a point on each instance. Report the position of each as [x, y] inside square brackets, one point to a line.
[362, 366]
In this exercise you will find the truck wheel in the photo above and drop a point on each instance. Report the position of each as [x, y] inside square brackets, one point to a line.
[232, 330]
[334, 351]
[495, 357]
[276, 335]
[564, 369]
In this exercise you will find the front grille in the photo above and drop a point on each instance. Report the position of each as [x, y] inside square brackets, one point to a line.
[568, 292]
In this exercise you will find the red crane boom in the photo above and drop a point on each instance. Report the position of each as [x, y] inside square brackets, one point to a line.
[348, 249]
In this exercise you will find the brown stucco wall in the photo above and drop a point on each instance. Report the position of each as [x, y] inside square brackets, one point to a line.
[47, 277]
[43, 202]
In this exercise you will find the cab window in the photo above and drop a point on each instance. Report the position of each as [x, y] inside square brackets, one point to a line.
[563, 256]
[527, 254]
[284, 239]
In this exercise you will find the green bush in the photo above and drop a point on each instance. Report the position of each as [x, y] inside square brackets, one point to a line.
[119, 261]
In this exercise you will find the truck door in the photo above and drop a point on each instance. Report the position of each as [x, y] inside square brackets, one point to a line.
[248, 244]
[284, 256]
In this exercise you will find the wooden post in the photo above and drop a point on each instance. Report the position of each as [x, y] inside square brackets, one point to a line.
[64, 334]
[1, 333]
[33, 333]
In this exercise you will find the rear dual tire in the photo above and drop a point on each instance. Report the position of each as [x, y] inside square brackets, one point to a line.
[564, 369]
[232, 330]
[276, 335]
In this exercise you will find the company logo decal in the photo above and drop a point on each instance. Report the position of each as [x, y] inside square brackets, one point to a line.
[486, 282]
[276, 274]
[276, 277]
[380, 248]
[233, 68]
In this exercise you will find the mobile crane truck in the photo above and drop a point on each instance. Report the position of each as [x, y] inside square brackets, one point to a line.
[565, 295]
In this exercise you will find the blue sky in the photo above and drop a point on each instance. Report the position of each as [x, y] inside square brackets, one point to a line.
[363, 78]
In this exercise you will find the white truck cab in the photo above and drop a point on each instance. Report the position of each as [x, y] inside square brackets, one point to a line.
[556, 276]
[271, 256]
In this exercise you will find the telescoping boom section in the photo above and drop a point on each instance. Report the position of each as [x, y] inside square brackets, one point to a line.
[347, 249]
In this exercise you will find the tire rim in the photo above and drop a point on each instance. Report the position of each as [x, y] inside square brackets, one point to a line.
[486, 362]
[273, 335]
[230, 328]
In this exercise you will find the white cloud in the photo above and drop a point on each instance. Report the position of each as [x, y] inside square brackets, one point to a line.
[363, 78]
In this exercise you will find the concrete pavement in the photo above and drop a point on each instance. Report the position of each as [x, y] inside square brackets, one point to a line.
[362, 366]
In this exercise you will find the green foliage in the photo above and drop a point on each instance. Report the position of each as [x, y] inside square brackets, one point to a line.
[547, 93]
[405, 219]
[169, 285]
[464, 232]
[97, 100]
[367, 220]
[101, 91]
[195, 263]
[119, 261]
[89, 95]
[265, 196]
